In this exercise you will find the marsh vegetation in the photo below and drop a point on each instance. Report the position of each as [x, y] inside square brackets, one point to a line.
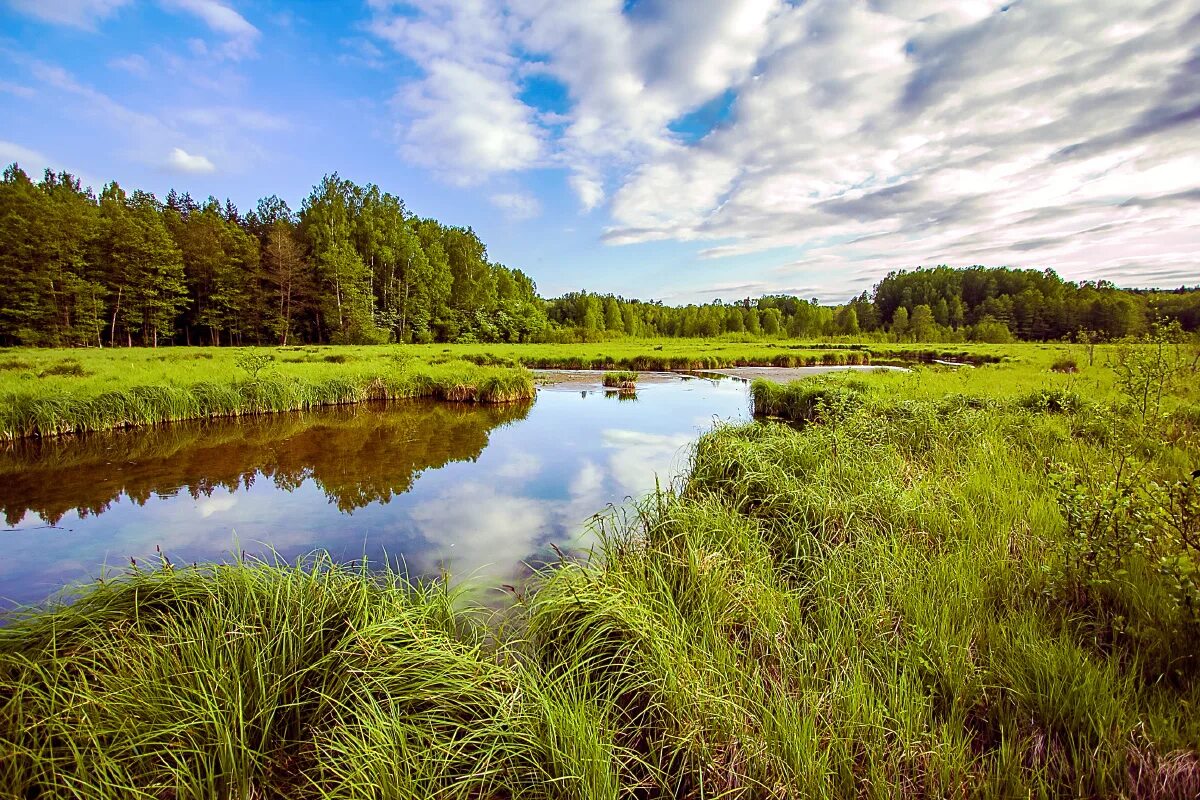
[935, 583]
[625, 380]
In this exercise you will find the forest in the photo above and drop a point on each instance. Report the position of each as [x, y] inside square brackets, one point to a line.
[355, 266]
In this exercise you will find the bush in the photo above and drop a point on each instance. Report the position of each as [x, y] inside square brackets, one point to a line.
[1133, 554]
[254, 363]
[1066, 363]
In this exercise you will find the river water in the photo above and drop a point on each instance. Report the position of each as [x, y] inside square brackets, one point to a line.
[474, 491]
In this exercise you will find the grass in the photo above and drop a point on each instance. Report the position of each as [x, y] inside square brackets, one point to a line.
[932, 584]
[174, 392]
[625, 379]
[259, 680]
[46, 392]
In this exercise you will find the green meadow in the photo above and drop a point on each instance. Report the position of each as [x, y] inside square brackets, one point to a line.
[950, 582]
[55, 391]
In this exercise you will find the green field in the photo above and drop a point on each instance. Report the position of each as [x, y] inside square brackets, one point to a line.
[983, 582]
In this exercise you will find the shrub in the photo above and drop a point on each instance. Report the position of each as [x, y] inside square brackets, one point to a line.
[1133, 554]
[1065, 363]
[254, 363]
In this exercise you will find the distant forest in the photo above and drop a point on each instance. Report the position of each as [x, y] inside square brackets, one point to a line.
[355, 266]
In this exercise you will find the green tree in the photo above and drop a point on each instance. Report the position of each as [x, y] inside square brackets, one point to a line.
[153, 271]
[772, 321]
[900, 323]
[344, 298]
[612, 315]
[921, 324]
[287, 276]
[846, 321]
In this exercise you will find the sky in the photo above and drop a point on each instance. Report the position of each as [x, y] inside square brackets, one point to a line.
[682, 151]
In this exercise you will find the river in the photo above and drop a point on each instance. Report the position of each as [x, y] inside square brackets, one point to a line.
[474, 491]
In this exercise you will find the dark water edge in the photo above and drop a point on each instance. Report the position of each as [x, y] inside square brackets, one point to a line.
[479, 491]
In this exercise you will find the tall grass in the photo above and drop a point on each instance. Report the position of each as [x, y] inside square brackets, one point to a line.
[903, 597]
[805, 400]
[257, 680]
[662, 362]
[41, 413]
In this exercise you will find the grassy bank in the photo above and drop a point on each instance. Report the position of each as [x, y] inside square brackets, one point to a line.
[909, 591]
[103, 395]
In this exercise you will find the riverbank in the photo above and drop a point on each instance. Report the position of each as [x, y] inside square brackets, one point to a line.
[40, 407]
[898, 594]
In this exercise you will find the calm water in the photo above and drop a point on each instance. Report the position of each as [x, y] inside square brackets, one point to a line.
[475, 491]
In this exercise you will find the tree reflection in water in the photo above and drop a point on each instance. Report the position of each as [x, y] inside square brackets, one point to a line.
[356, 455]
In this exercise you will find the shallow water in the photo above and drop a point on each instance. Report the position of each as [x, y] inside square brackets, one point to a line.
[475, 491]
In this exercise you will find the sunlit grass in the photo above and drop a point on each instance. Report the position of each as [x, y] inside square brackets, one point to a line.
[55, 391]
[41, 408]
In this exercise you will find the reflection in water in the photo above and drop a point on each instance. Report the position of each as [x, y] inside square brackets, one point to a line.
[472, 490]
[357, 455]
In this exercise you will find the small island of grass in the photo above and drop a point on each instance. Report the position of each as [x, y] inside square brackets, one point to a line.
[625, 380]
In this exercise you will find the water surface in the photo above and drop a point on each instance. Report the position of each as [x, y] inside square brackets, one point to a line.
[476, 491]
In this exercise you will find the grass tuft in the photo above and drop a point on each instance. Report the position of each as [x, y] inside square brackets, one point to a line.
[624, 379]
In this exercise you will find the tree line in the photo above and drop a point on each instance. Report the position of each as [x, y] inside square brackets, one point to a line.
[984, 304]
[355, 266]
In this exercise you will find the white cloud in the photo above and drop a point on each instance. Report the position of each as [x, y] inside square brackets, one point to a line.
[588, 189]
[463, 118]
[182, 161]
[240, 35]
[169, 138]
[517, 206]
[520, 466]
[862, 137]
[27, 158]
[874, 139]
[74, 13]
[215, 504]
[251, 119]
[466, 124]
[33, 162]
[475, 530]
[16, 89]
[134, 64]
[640, 460]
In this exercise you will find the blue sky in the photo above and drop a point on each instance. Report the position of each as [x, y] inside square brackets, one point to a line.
[669, 150]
